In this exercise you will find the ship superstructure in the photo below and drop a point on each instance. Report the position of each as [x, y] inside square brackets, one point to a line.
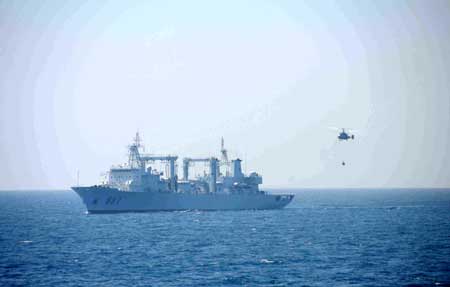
[136, 186]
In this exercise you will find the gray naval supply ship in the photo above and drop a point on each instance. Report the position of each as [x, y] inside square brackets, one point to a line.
[136, 187]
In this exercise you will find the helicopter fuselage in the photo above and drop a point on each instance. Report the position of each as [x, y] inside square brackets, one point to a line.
[345, 136]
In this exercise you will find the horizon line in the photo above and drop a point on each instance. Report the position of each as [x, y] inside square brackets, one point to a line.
[268, 188]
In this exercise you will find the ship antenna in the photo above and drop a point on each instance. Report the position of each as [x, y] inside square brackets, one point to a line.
[137, 140]
[223, 151]
[224, 160]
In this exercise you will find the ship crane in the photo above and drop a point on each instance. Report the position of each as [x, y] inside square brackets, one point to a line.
[138, 160]
[213, 166]
[169, 158]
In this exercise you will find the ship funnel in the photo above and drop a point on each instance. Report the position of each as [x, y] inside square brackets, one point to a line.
[236, 168]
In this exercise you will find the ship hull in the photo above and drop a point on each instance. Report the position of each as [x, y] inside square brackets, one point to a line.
[110, 200]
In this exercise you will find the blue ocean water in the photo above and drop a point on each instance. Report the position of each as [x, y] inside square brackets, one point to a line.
[359, 237]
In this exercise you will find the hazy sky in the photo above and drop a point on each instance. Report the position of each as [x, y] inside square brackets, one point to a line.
[77, 79]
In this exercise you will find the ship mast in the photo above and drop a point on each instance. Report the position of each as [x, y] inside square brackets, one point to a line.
[134, 158]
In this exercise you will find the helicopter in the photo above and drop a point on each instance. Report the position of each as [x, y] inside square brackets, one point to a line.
[344, 133]
[344, 136]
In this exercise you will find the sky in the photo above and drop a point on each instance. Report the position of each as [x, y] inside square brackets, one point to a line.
[79, 78]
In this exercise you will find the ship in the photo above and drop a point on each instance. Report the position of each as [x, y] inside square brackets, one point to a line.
[136, 186]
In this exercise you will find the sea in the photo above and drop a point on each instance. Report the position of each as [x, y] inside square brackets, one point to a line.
[325, 237]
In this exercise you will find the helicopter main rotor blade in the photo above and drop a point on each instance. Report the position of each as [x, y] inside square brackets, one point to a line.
[335, 128]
